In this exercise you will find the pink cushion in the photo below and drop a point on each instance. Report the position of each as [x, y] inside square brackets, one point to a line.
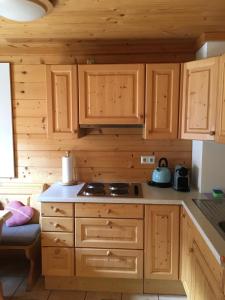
[21, 214]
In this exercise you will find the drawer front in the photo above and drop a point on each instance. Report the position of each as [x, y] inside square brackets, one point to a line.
[57, 209]
[109, 233]
[57, 261]
[57, 224]
[57, 239]
[98, 210]
[109, 263]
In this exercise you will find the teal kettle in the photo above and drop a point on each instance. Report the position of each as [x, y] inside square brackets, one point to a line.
[161, 176]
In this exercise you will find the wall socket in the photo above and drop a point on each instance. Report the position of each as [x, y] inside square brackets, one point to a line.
[148, 160]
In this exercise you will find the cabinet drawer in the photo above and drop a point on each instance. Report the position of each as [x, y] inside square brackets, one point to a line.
[57, 209]
[57, 239]
[57, 261]
[96, 210]
[109, 233]
[109, 263]
[57, 224]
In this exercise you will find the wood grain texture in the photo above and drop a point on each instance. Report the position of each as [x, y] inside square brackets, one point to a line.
[220, 122]
[115, 263]
[111, 94]
[62, 101]
[101, 154]
[161, 242]
[199, 99]
[109, 233]
[57, 261]
[126, 19]
[162, 101]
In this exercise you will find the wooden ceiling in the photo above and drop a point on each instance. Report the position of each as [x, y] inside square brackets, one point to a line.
[121, 19]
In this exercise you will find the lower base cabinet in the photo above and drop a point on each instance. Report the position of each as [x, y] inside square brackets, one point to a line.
[115, 263]
[148, 252]
[202, 276]
[162, 241]
[57, 261]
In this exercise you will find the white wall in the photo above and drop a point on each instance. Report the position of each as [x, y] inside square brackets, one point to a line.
[197, 151]
[6, 131]
[210, 49]
[208, 163]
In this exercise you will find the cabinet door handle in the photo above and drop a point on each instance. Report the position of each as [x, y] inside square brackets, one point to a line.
[212, 133]
[55, 209]
[108, 253]
[109, 211]
[108, 223]
[56, 240]
[56, 225]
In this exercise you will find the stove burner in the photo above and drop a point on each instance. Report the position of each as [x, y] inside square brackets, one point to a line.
[95, 185]
[119, 186]
[119, 192]
[93, 191]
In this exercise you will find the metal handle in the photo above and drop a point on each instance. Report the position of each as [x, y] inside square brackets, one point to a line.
[108, 253]
[56, 240]
[56, 225]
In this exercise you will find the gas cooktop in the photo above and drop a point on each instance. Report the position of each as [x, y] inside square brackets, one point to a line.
[115, 189]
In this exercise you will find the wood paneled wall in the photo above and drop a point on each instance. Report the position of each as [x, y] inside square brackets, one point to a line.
[101, 154]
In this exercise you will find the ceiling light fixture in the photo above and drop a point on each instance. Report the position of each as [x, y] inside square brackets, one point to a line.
[24, 10]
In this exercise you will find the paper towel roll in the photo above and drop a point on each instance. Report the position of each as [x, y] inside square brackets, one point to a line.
[67, 169]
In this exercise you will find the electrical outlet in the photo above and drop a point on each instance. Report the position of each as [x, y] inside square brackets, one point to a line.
[148, 160]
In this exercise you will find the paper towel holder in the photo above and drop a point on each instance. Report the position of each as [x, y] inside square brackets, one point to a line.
[70, 173]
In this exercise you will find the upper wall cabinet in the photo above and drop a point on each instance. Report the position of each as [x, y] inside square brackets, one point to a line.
[199, 99]
[111, 94]
[162, 98]
[220, 130]
[62, 101]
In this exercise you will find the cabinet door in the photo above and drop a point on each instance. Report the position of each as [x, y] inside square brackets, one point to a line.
[57, 261]
[161, 241]
[111, 94]
[199, 99]
[203, 284]
[162, 99]
[220, 130]
[186, 244]
[62, 101]
[106, 263]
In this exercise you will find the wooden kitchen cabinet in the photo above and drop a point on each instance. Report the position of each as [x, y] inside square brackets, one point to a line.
[201, 275]
[220, 130]
[199, 99]
[111, 94]
[161, 241]
[115, 263]
[162, 101]
[62, 101]
[57, 261]
[57, 239]
[203, 284]
[109, 233]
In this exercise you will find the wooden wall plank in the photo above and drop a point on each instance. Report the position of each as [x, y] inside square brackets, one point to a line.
[99, 159]
[102, 154]
[29, 108]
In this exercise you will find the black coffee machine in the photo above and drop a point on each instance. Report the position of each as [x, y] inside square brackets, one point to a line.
[181, 180]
